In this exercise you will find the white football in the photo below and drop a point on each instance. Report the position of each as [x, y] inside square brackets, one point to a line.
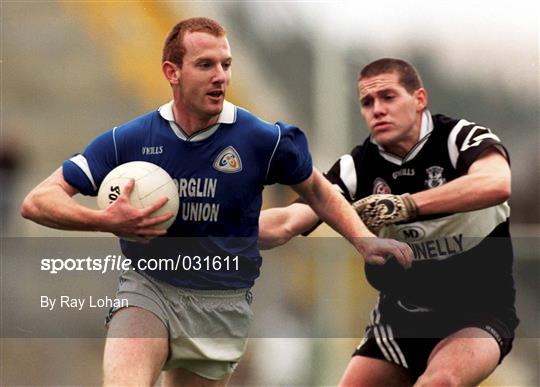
[151, 184]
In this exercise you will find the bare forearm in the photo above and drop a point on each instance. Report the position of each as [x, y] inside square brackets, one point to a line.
[465, 194]
[333, 209]
[52, 207]
[51, 204]
[339, 215]
[278, 225]
[487, 183]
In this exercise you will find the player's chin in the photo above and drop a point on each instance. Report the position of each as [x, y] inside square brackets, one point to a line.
[383, 138]
[214, 107]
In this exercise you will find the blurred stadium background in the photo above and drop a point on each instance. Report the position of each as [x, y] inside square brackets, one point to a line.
[71, 70]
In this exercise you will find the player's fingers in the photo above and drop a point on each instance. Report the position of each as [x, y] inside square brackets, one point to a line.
[407, 252]
[402, 258]
[153, 220]
[133, 238]
[403, 254]
[155, 206]
[397, 254]
[151, 232]
[128, 188]
[376, 260]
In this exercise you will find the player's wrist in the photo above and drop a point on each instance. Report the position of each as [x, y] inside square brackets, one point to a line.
[361, 243]
[380, 210]
[102, 221]
[410, 206]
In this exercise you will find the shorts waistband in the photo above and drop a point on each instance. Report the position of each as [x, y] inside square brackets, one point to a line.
[208, 293]
[214, 293]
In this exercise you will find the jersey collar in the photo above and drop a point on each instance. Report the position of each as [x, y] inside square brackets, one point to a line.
[227, 116]
[425, 131]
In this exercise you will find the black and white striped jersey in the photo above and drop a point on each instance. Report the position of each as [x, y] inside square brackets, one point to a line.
[459, 258]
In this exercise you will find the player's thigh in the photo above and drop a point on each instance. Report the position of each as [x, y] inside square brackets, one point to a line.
[367, 371]
[181, 377]
[136, 347]
[464, 358]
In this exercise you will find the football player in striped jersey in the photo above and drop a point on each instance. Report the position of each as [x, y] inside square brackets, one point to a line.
[439, 184]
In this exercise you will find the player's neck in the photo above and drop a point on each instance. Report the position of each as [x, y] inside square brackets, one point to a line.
[405, 144]
[401, 149]
[189, 121]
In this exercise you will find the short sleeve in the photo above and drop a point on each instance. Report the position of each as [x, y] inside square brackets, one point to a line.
[291, 161]
[344, 174]
[467, 141]
[86, 171]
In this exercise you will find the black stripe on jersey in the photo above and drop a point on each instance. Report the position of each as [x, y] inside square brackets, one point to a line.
[343, 174]
[471, 141]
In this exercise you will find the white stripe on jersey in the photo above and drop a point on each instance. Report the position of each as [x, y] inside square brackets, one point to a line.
[453, 150]
[274, 151]
[468, 142]
[337, 188]
[114, 143]
[82, 163]
[347, 174]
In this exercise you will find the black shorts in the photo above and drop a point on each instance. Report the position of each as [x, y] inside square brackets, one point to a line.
[405, 334]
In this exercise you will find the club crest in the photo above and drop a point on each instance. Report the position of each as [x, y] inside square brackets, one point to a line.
[228, 161]
[380, 186]
[435, 177]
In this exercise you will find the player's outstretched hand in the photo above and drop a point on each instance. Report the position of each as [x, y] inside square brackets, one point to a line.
[124, 220]
[381, 210]
[377, 251]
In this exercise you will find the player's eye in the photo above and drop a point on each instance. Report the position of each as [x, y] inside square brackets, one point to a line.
[366, 102]
[226, 65]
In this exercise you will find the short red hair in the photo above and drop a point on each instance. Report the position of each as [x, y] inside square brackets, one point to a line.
[174, 50]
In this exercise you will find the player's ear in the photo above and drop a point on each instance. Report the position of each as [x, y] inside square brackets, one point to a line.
[421, 97]
[170, 70]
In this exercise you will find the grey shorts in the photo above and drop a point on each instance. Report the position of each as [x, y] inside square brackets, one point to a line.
[208, 329]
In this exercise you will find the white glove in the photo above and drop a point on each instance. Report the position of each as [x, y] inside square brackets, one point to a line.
[381, 210]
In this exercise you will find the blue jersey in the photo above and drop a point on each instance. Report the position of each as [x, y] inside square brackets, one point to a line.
[221, 172]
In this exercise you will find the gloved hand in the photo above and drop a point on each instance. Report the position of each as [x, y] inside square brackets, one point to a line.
[380, 210]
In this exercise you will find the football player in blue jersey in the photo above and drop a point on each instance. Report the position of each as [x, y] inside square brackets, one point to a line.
[440, 184]
[192, 322]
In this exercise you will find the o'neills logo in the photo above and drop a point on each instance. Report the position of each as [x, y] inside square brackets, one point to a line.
[152, 150]
[228, 161]
[380, 186]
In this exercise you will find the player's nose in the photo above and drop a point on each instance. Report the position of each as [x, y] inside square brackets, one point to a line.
[220, 75]
[378, 108]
